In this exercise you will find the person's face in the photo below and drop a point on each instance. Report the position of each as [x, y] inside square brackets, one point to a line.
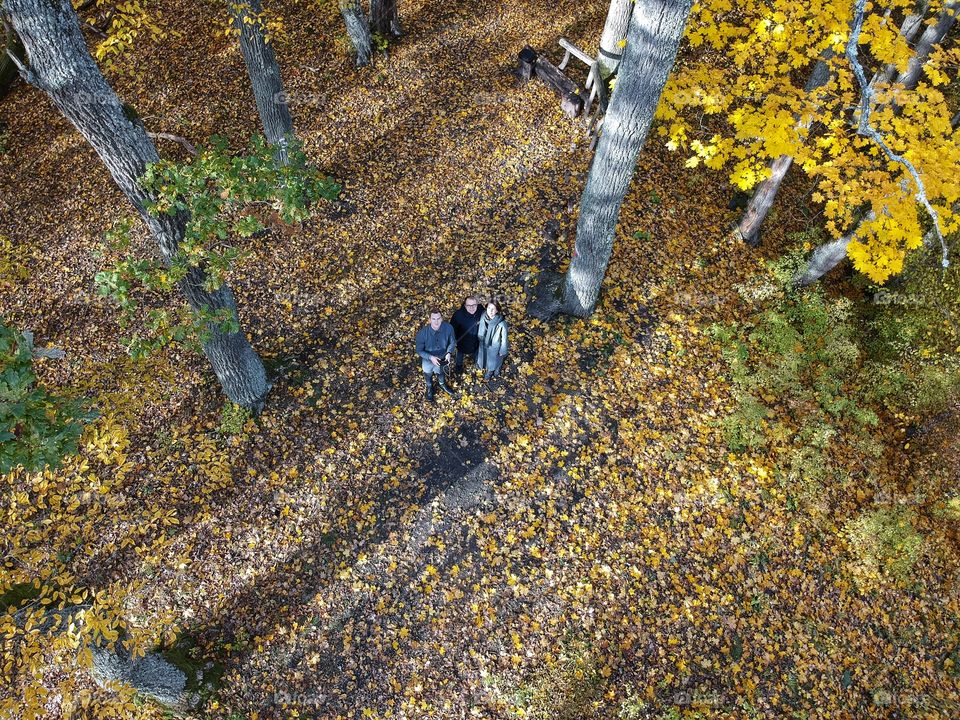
[435, 320]
[491, 310]
[471, 305]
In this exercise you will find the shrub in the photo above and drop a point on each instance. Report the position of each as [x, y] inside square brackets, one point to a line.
[233, 419]
[37, 428]
[912, 335]
[792, 363]
[884, 544]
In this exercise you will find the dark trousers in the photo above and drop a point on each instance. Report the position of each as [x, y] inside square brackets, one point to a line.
[441, 374]
[461, 355]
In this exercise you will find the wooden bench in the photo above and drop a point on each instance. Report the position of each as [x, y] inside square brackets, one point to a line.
[594, 82]
[573, 100]
[532, 64]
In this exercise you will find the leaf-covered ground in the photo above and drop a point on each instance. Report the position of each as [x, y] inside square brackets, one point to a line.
[573, 540]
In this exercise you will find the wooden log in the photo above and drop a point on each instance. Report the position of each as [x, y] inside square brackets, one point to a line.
[533, 64]
[528, 57]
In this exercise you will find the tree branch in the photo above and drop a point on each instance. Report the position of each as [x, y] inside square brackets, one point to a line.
[864, 128]
[187, 145]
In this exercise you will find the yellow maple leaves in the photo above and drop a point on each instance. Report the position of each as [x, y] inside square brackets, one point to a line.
[767, 113]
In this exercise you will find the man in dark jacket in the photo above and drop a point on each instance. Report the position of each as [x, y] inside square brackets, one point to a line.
[435, 344]
[465, 322]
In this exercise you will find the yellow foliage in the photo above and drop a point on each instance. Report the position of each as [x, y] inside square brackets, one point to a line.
[766, 113]
[130, 20]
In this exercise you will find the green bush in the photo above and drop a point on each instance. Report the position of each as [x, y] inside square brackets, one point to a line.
[884, 544]
[912, 335]
[37, 428]
[233, 419]
[792, 363]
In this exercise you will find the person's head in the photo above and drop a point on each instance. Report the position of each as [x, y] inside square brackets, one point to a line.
[470, 303]
[436, 318]
[493, 309]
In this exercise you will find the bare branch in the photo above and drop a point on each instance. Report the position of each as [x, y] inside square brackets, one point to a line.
[95, 30]
[187, 145]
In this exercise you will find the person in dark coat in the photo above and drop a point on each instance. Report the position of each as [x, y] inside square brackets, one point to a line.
[465, 322]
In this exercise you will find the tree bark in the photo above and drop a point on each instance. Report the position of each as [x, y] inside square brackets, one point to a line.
[931, 37]
[264, 75]
[62, 67]
[8, 69]
[150, 675]
[385, 18]
[827, 256]
[358, 29]
[614, 31]
[908, 29]
[748, 229]
[653, 37]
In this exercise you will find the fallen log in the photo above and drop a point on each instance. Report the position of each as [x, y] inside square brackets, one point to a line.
[532, 64]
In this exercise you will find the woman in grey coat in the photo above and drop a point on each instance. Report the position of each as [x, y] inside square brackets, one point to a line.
[492, 336]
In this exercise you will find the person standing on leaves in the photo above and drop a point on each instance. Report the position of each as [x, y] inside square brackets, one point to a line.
[435, 344]
[492, 337]
[465, 322]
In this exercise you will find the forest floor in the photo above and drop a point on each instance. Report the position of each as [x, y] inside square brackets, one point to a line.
[573, 540]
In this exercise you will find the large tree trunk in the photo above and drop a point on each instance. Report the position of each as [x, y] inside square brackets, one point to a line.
[8, 69]
[748, 229]
[653, 36]
[385, 18]
[264, 75]
[151, 675]
[358, 29]
[61, 66]
[614, 31]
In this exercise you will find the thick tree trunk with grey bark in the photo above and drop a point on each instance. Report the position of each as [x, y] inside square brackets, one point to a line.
[653, 36]
[748, 229]
[385, 18]
[614, 31]
[358, 29]
[151, 675]
[264, 75]
[61, 66]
